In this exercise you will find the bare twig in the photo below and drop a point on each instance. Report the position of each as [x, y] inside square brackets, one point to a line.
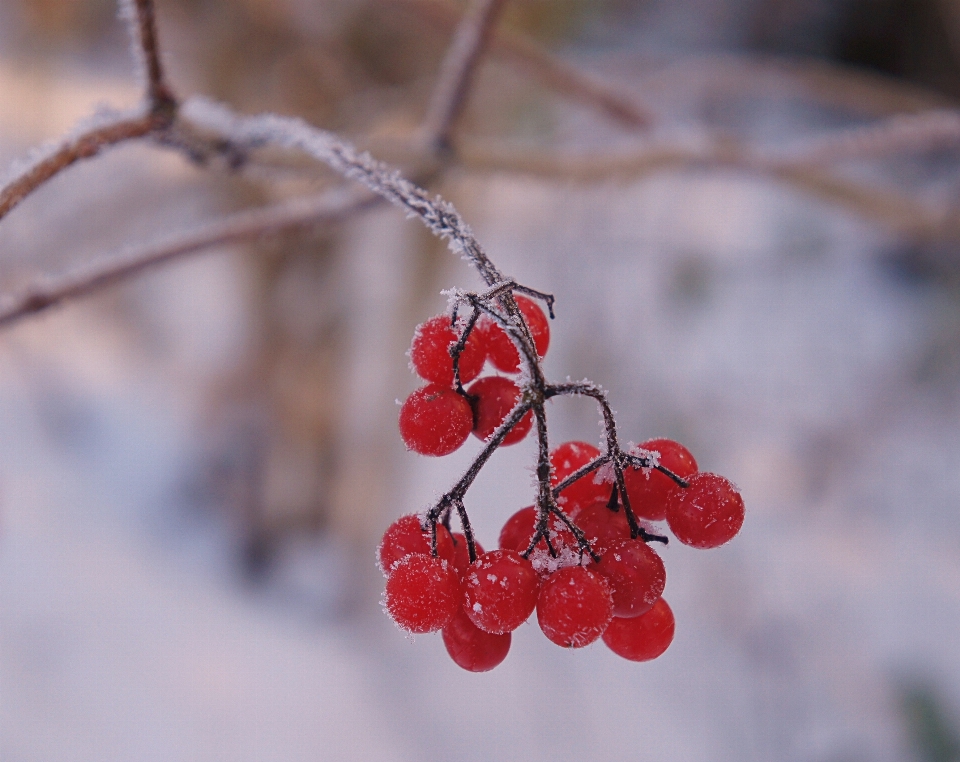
[901, 133]
[457, 72]
[547, 69]
[295, 134]
[84, 145]
[241, 226]
[895, 211]
[143, 31]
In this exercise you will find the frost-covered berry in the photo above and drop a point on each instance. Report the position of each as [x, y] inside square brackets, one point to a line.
[405, 536]
[435, 420]
[636, 575]
[574, 607]
[643, 637]
[496, 396]
[706, 514]
[471, 648]
[564, 460]
[649, 489]
[500, 349]
[500, 591]
[422, 593]
[430, 352]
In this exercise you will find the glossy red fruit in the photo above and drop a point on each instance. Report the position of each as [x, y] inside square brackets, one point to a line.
[500, 349]
[648, 489]
[708, 513]
[602, 526]
[496, 397]
[422, 593]
[461, 554]
[566, 459]
[405, 536]
[435, 420]
[636, 575]
[518, 531]
[471, 648]
[643, 637]
[500, 591]
[574, 607]
[430, 352]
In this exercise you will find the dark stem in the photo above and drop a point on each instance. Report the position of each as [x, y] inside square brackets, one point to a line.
[163, 105]
[467, 530]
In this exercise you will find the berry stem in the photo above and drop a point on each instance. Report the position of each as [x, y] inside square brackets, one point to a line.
[457, 349]
[467, 530]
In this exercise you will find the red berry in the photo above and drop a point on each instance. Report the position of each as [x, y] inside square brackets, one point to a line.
[430, 352]
[643, 637]
[519, 529]
[706, 514]
[496, 397]
[602, 526]
[422, 593]
[648, 489]
[636, 576]
[405, 536]
[435, 420]
[574, 607]
[500, 591]
[566, 459]
[500, 349]
[461, 554]
[471, 648]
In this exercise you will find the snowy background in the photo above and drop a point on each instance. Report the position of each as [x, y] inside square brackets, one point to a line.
[804, 352]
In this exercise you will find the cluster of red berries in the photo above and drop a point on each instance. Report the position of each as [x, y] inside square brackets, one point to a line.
[610, 589]
[438, 417]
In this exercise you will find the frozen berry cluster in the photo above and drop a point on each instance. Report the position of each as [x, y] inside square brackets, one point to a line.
[438, 417]
[586, 568]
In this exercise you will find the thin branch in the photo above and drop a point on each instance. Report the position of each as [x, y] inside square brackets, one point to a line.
[895, 211]
[241, 226]
[295, 134]
[550, 71]
[901, 133]
[84, 145]
[457, 72]
[623, 108]
[143, 23]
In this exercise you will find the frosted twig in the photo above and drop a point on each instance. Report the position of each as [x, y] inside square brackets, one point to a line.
[73, 148]
[256, 223]
[295, 134]
[457, 72]
[145, 48]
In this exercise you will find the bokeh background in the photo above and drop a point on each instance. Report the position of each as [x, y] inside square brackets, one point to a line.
[195, 467]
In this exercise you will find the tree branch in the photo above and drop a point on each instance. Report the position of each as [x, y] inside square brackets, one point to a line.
[247, 225]
[143, 32]
[547, 69]
[84, 145]
[457, 72]
[294, 134]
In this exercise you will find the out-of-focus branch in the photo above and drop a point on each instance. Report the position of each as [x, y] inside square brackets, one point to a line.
[83, 145]
[547, 69]
[898, 134]
[899, 213]
[242, 226]
[457, 72]
[144, 33]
